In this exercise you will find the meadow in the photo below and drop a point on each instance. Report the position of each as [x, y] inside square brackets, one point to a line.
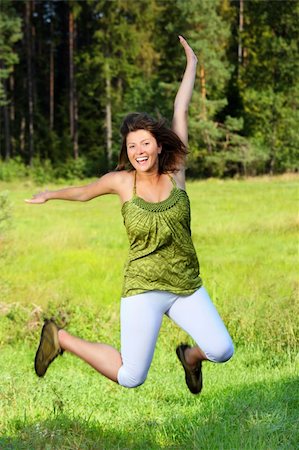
[65, 260]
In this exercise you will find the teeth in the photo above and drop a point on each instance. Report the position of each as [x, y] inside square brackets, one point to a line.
[144, 158]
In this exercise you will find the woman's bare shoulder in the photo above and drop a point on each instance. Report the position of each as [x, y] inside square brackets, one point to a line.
[123, 182]
[122, 176]
[118, 176]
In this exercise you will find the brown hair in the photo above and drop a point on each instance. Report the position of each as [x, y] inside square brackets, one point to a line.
[173, 149]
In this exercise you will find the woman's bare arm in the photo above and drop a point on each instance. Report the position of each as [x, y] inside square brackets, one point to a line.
[184, 94]
[107, 184]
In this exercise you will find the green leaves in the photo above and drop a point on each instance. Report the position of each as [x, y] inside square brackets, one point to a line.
[127, 57]
[10, 33]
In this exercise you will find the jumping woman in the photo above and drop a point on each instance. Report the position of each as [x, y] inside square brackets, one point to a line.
[161, 275]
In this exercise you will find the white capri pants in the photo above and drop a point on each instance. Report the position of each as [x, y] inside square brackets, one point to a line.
[141, 318]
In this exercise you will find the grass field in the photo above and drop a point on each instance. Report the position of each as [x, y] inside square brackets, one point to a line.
[65, 260]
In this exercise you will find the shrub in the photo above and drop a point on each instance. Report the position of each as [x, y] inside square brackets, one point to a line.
[44, 171]
[5, 212]
[12, 170]
[71, 169]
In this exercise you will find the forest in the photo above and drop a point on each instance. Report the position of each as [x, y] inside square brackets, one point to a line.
[71, 70]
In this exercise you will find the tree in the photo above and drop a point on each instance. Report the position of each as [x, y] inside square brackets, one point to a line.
[28, 33]
[81, 66]
[10, 33]
[115, 64]
[208, 33]
[74, 9]
[269, 80]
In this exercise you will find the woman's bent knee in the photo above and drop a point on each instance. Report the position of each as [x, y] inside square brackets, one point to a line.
[130, 379]
[222, 353]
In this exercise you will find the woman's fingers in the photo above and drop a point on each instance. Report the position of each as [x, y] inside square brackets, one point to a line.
[34, 200]
[37, 198]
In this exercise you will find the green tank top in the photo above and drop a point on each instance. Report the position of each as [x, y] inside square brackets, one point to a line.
[162, 255]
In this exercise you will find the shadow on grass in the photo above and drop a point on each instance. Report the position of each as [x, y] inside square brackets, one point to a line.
[258, 416]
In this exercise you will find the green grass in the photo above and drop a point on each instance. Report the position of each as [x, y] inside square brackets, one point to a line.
[65, 260]
[245, 404]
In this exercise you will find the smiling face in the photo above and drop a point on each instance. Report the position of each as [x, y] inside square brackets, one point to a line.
[143, 151]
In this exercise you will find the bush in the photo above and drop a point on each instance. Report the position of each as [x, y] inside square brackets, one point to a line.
[41, 172]
[71, 169]
[5, 212]
[12, 170]
[45, 171]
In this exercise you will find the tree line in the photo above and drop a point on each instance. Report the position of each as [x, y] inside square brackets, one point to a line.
[70, 70]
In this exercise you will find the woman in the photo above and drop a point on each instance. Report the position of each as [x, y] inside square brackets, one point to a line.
[162, 271]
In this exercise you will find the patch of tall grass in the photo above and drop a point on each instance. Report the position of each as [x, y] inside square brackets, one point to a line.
[66, 259]
[244, 405]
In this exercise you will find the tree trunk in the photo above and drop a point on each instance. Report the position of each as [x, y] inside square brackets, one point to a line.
[203, 91]
[29, 81]
[22, 135]
[71, 72]
[51, 100]
[34, 56]
[108, 117]
[75, 141]
[273, 140]
[73, 108]
[241, 27]
[6, 122]
[12, 114]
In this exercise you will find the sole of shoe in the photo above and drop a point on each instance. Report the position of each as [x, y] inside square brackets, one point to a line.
[48, 348]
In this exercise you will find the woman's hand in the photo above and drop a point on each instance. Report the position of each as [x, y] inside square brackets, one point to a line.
[190, 55]
[41, 197]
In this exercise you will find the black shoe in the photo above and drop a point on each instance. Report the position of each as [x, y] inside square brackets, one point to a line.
[193, 376]
[48, 348]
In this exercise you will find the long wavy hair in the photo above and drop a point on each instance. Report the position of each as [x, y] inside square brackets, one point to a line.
[173, 151]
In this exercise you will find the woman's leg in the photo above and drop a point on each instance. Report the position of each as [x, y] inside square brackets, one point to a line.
[141, 318]
[104, 358]
[197, 315]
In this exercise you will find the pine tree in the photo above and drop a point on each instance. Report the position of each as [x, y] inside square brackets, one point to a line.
[10, 33]
[208, 34]
[115, 65]
[269, 81]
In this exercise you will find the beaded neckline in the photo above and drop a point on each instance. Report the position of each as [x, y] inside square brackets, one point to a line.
[156, 206]
[170, 201]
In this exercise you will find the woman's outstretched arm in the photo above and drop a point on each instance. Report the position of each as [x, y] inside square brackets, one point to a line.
[183, 97]
[107, 184]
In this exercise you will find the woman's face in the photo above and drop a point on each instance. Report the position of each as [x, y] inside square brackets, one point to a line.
[143, 151]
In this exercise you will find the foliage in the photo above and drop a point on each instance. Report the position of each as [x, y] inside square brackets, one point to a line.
[10, 33]
[5, 212]
[269, 81]
[244, 112]
[44, 171]
[12, 170]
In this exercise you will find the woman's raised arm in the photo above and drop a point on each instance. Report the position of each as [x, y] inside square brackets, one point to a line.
[183, 97]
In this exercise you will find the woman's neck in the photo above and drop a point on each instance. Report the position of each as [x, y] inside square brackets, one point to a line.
[152, 178]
